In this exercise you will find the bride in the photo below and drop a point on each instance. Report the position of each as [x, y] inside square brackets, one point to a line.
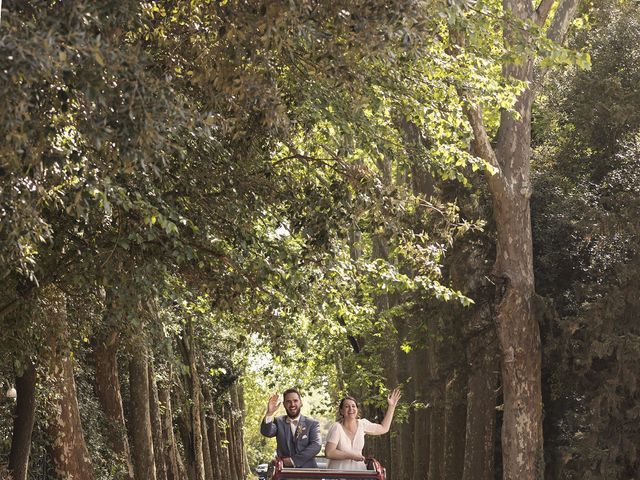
[345, 439]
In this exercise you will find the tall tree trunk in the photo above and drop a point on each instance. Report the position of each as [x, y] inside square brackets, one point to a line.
[421, 446]
[23, 420]
[455, 425]
[68, 450]
[422, 417]
[156, 426]
[223, 451]
[67, 447]
[405, 429]
[140, 416]
[518, 332]
[170, 448]
[234, 474]
[510, 186]
[417, 144]
[387, 447]
[223, 443]
[437, 366]
[212, 434]
[107, 387]
[184, 426]
[206, 448]
[437, 431]
[197, 426]
[481, 416]
[237, 397]
[187, 349]
[517, 329]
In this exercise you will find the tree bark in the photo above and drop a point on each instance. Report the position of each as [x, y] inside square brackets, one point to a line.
[455, 425]
[223, 443]
[184, 426]
[67, 447]
[238, 401]
[223, 451]
[437, 432]
[405, 433]
[422, 417]
[169, 441]
[387, 447]
[107, 387]
[197, 427]
[213, 435]
[234, 474]
[140, 416]
[23, 421]
[194, 405]
[206, 448]
[156, 426]
[481, 415]
[517, 329]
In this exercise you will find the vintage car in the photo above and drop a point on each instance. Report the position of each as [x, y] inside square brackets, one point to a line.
[277, 471]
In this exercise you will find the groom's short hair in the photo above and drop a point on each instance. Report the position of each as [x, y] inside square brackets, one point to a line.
[291, 390]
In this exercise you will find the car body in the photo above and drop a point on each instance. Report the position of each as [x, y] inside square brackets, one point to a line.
[278, 471]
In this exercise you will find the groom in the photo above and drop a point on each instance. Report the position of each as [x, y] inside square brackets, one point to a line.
[297, 436]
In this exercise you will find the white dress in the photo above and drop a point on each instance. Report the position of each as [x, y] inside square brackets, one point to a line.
[343, 443]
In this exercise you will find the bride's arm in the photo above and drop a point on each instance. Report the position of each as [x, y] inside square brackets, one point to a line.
[331, 451]
[381, 429]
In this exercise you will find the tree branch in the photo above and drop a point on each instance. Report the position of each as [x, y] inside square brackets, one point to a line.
[542, 12]
[9, 307]
[352, 340]
[562, 19]
[483, 143]
[474, 115]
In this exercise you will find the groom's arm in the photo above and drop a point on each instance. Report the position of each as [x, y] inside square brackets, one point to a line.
[312, 449]
[268, 429]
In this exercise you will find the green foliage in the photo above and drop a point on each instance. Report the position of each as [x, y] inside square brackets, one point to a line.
[224, 173]
[586, 239]
[259, 448]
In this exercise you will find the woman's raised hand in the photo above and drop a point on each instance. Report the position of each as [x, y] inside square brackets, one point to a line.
[394, 397]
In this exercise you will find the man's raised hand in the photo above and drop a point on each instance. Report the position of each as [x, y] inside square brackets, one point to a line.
[274, 403]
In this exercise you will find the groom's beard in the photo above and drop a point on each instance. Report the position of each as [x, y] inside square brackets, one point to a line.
[293, 414]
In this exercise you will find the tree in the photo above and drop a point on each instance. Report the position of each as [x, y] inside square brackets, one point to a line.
[23, 423]
[510, 186]
[67, 448]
